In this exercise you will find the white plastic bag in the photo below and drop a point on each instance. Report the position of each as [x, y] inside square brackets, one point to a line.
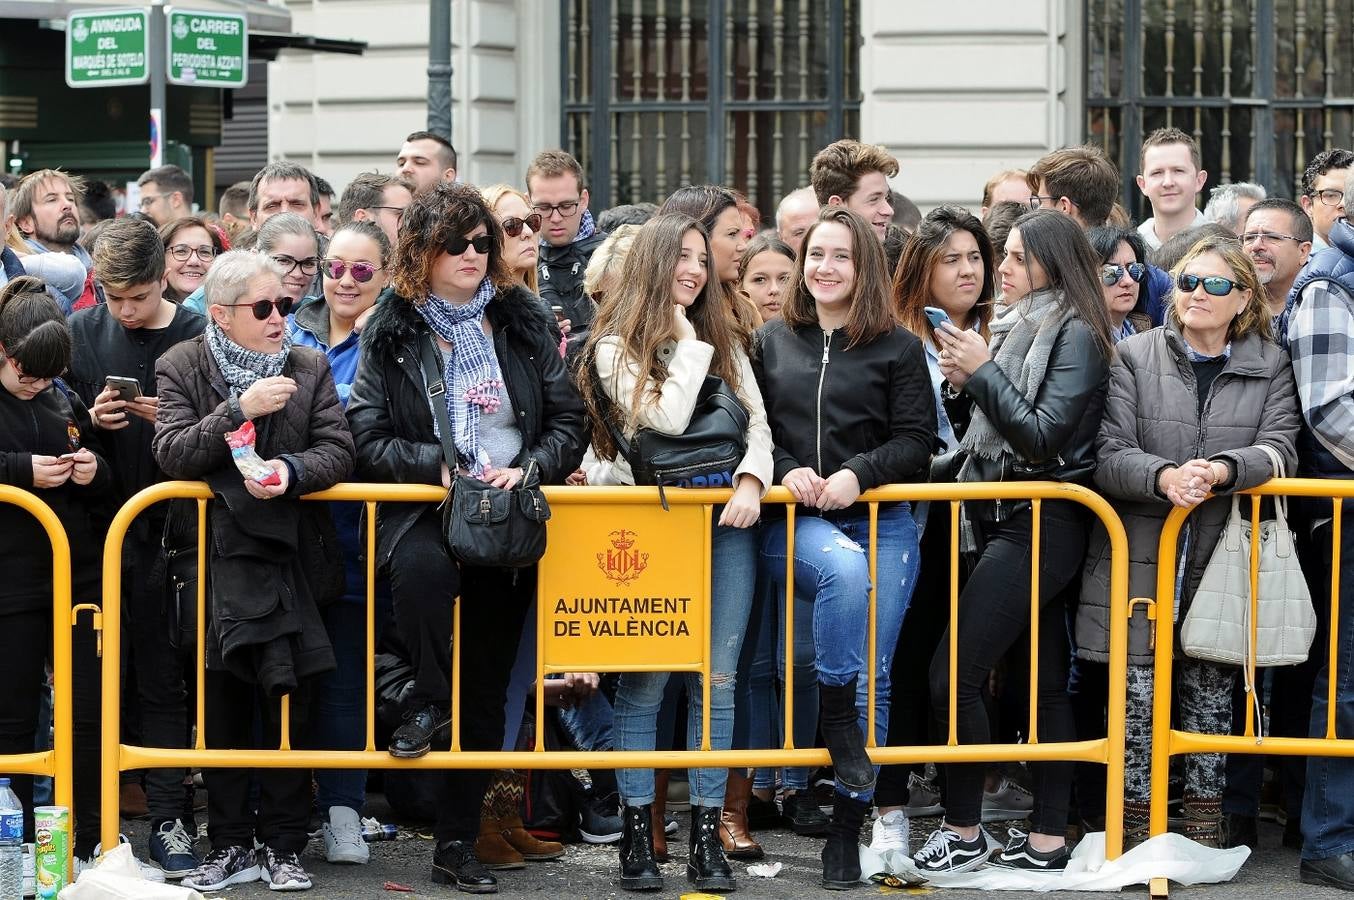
[118, 877]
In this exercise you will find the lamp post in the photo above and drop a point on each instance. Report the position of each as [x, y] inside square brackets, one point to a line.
[439, 67]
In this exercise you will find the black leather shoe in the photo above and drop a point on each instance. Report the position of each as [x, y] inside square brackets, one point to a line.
[1240, 831]
[414, 738]
[803, 815]
[1335, 871]
[639, 869]
[455, 862]
[841, 853]
[706, 866]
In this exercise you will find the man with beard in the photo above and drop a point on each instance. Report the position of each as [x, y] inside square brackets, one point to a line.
[1278, 237]
[47, 214]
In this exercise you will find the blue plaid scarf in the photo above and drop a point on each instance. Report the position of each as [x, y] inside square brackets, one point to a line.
[472, 376]
[587, 227]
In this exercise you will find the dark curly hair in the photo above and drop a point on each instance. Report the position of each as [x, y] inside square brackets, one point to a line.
[445, 212]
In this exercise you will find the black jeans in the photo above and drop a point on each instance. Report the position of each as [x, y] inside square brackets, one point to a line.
[911, 721]
[161, 698]
[994, 614]
[25, 646]
[424, 583]
[240, 717]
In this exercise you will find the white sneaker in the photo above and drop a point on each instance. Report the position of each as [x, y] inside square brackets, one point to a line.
[148, 872]
[343, 841]
[890, 832]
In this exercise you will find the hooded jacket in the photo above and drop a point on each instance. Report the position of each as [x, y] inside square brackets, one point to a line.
[392, 419]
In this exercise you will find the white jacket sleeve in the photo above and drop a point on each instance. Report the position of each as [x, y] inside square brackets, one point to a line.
[757, 460]
[671, 412]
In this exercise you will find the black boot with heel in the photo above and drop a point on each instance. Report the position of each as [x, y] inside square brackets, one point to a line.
[706, 866]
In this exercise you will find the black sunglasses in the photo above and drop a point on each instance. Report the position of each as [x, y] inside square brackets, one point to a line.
[1111, 273]
[1213, 284]
[262, 309]
[482, 244]
[512, 226]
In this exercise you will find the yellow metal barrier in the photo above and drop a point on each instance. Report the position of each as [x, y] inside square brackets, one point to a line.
[636, 504]
[56, 763]
[1167, 741]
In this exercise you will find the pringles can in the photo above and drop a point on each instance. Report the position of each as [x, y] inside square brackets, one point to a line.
[51, 850]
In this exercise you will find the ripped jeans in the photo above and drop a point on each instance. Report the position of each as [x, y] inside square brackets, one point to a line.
[832, 569]
[733, 582]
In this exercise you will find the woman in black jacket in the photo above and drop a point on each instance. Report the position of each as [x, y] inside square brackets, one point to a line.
[47, 446]
[851, 408]
[512, 407]
[1038, 394]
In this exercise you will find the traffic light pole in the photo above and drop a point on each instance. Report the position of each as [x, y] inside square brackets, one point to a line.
[157, 63]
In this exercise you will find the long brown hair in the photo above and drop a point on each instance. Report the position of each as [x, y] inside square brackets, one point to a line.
[445, 212]
[639, 312]
[922, 253]
[870, 313]
[705, 203]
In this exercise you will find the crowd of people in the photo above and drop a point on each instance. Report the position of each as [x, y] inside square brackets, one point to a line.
[415, 329]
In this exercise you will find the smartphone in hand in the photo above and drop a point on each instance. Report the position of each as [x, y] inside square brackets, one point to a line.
[935, 315]
[127, 389]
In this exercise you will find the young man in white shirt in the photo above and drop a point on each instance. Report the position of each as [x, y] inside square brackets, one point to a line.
[1172, 177]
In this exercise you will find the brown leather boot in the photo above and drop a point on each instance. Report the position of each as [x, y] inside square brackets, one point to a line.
[656, 812]
[493, 848]
[733, 821]
[526, 843]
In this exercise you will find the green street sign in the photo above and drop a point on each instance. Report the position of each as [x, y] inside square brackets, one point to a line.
[107, 47]
[207, 49]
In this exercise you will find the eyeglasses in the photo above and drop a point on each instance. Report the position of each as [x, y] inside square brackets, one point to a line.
[512, 226]
[397, 210]
[1268, 237]
[1330, 196]
[148, 200]
[262, 309]
[1037, 202]
[1213, 284]
[565, 209]
[181, 252]
[362, 272]
[1110, 273]
[482, 244]
[308, 266]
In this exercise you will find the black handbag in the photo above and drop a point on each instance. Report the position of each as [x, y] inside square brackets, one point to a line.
[485, 525]
[705, 455]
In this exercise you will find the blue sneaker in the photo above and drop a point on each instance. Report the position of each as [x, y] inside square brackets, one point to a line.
[171, 850]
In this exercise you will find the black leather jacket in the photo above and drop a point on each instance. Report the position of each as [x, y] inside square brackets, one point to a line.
[869, 408]
[1053, 437]
[392, 422]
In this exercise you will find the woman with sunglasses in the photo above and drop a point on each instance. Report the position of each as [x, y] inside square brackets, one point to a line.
[1123, 271]
[190, 247]
[354, 274]
[514, 415]
[1189, 404]
[48, 446]
[269, 552]
[1037, 394]
[521, 230]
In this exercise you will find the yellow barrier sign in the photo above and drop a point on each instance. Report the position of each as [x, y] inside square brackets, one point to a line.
[626, 589]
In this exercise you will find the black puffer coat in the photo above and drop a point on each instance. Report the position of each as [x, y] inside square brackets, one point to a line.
[392, 420]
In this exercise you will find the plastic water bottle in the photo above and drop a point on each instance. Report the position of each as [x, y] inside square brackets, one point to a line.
[11, 842]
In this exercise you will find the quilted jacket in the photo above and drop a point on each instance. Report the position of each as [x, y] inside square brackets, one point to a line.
[1151, 422]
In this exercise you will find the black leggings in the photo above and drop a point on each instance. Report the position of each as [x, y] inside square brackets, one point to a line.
[994, 614]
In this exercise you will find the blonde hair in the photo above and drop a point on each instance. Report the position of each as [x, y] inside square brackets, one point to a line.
[609, 257]
[1254, 316]
[495, 193]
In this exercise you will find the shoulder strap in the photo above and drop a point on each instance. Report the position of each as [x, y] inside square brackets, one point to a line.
[437, 389]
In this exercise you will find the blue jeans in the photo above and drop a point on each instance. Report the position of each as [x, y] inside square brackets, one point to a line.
[339, 721]
[1328, 802]
[759, 711]
[832, 569]
[733, 579]
[589, 724]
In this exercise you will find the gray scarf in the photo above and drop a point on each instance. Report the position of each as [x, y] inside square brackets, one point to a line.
[241, 367]
[1022, 341]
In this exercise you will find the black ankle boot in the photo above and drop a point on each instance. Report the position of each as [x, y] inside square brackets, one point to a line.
[639, 871]
[839, 722]
[706, 866]
[841, 853]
